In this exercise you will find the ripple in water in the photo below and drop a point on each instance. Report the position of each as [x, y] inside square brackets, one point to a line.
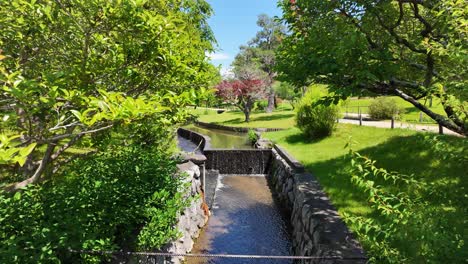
[246, 221]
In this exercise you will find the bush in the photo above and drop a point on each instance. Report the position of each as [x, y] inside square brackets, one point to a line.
[125, 198]
[383, 108]
[253, 136]
[314, 119]
[261, 105]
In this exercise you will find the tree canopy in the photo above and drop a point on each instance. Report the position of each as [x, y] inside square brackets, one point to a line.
[243, 93]
[259, 53]
[410, 48]
[73, 68]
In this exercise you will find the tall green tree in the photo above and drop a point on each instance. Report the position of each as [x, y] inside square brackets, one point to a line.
[260, 53]
[74, 68]
[415, 49]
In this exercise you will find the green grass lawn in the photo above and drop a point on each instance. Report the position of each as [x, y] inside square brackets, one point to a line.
[405, 151]
[278, 119]
[410, 113]
[283, 117]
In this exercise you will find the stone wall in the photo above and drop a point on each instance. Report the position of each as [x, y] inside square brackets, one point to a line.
[193, 218]
[317, 229]
[189, 224]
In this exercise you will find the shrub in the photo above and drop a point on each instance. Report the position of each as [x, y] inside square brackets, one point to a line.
[261, 105]
[253, 136]
[383, 108]
[125, 198]
[316, 120]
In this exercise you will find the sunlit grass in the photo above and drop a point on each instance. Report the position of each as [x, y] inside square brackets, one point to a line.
[283, 117]
[410, 113]
[405, 151]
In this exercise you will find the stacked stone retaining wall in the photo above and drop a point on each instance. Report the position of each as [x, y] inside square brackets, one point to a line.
[189, 222]
[317, 229]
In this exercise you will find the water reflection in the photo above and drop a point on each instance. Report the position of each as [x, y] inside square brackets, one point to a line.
[222, 139]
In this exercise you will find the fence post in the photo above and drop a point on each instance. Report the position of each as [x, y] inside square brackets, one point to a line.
[441, 129]
[420, 117]
[360, 117]
[393, 122]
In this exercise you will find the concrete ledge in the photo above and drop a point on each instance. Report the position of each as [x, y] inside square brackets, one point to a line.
[195, 158]
[230, 161]
[295, 164]
[199, 139]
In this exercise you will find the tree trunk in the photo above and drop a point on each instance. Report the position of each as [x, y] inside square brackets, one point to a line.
[440, 119]
[248, 109]
[247, 115]
[37, 174]
[271, 101]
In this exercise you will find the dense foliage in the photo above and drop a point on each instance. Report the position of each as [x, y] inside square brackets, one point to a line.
[259, 54]
[99, 203]
[243, 93]
[384, 108]
[73, 68]
[287, 91]
[253, 136]
[409, 48]
[406, 213]
[316, 120]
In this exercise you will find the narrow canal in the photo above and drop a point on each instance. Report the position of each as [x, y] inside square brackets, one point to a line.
[245, 219]
[221, 139]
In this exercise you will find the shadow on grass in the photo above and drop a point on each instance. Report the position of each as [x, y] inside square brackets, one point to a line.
[272, 117]
[297, 138]
[410, 155]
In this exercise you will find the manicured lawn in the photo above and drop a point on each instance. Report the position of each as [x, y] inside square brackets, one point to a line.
[277, 119]
[405, 151]
[410, 113]
[283, 117]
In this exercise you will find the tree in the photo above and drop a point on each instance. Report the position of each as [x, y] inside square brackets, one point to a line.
[287, 91]
[243, 93]
[70, 69]
[410, 48]
[260, 52]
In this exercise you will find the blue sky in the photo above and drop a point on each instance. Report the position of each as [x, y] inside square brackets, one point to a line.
[234, 24]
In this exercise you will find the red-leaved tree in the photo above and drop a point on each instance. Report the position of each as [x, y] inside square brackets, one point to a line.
[242, 93]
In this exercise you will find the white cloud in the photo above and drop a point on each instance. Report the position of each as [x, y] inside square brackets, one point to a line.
[218, 56]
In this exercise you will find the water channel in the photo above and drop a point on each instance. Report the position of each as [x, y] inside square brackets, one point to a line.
[221, 139]
[245, 218]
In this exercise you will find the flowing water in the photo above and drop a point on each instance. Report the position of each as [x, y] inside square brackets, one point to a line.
[244, 220]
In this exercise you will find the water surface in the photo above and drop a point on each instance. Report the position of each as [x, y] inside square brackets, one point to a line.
[222, 139]
[244, 220]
